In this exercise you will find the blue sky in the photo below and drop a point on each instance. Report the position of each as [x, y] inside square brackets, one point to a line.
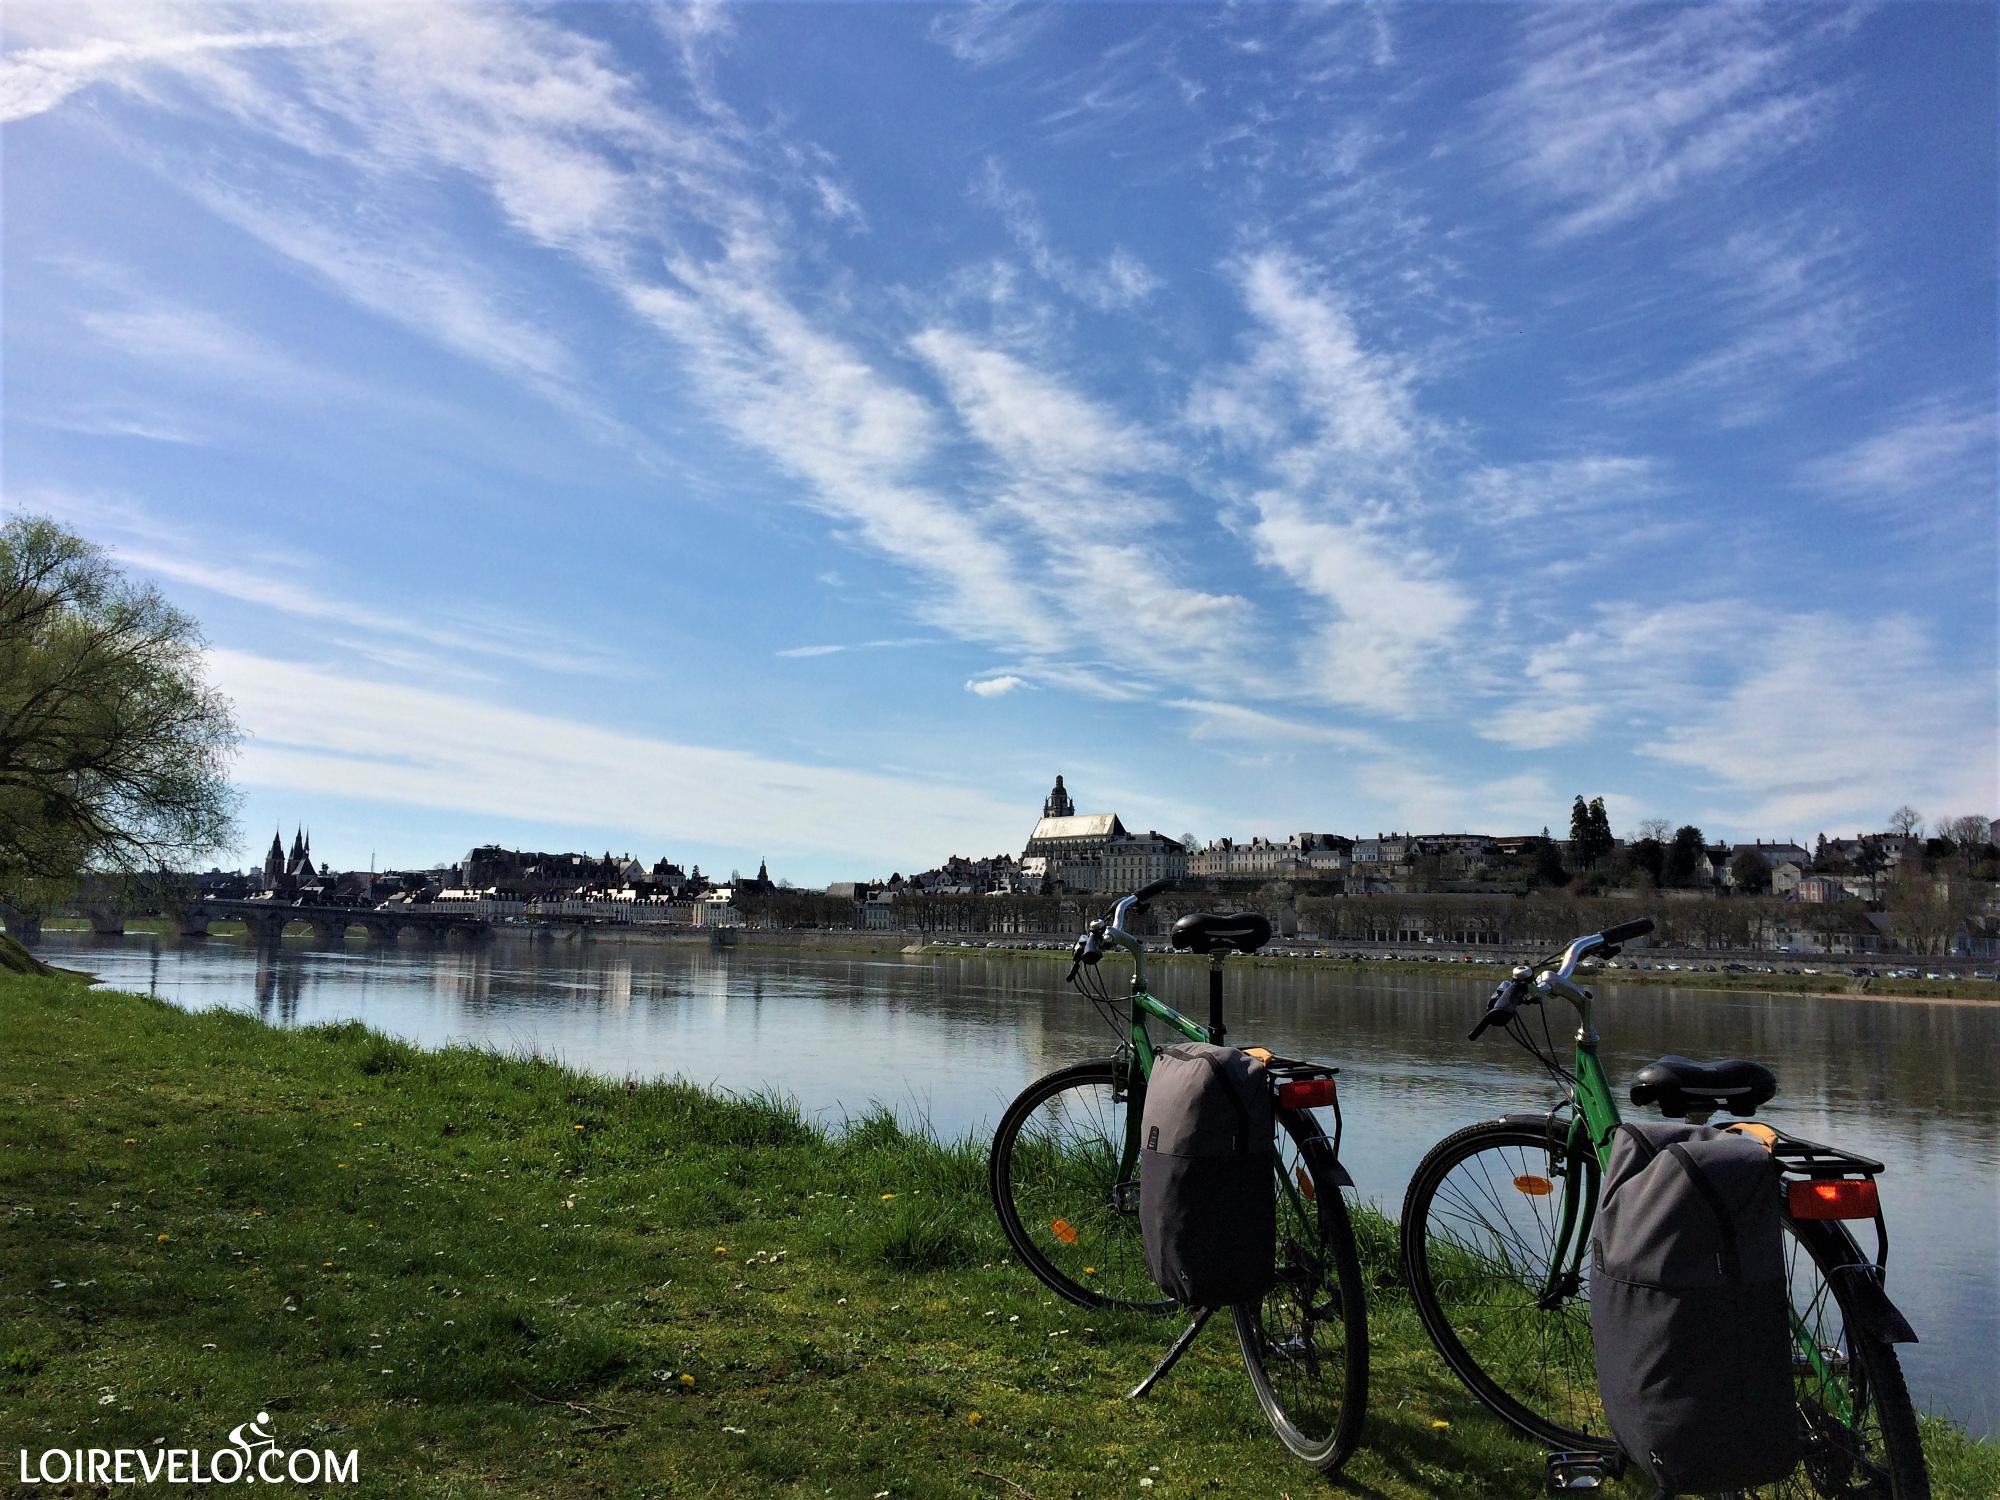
[799, 431]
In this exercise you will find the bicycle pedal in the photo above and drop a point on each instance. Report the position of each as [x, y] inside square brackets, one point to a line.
[1569, 1472]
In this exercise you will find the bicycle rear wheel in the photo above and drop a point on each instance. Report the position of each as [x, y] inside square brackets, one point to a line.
[1067, 1209]
[1305, 1344]
[1479, 1228]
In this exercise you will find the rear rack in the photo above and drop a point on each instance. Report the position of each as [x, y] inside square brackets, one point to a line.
[1804, 1158]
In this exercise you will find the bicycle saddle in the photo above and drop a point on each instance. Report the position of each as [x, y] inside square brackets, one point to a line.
[1677, 1085]
[1213, 932]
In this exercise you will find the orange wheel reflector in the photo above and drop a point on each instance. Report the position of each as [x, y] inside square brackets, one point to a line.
[1306, 1093]
[1842, 1198]
[1306, 1183]
[1533, 1186]
[1063, 1230]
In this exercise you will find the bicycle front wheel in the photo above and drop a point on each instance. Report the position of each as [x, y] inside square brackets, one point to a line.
[1305, 1344]
[1068, 1209]
[1481, 1223]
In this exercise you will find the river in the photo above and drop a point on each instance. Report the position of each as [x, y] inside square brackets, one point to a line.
[949, 1040]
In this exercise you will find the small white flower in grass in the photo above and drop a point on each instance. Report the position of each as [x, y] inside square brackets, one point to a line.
[1146, 1483]
[106, 1400]
[737, 1431]
[58, 1285]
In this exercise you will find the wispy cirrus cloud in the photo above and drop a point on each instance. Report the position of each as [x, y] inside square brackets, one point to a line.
[1119, 281]
[282, 582]
[1615, 111]
[1925, 461]
[986, 32]
[322, 731]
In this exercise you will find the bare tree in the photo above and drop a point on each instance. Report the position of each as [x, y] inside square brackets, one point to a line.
[1657, 829]
[113, 746]
[1906, 820]
[1972, 833]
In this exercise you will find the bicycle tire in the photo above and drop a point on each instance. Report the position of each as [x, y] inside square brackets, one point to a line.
[1841, 1458]
[1053, 1175]
[1318, 1400]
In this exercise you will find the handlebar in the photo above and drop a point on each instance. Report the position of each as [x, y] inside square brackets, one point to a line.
[1516, 991]
[1090, 946]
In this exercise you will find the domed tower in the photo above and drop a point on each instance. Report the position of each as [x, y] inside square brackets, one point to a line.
[1058, 804]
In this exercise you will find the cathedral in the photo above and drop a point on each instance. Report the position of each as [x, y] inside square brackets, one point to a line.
[1072, 851]
[286, 875]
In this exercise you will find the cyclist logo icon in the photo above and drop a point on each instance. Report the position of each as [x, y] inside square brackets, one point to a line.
[251, 1436]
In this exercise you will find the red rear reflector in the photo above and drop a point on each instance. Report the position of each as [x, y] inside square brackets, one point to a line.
[1306, 1093]
[1841, 1198]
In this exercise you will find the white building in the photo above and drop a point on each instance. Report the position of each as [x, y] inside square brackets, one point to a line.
[1093, 851]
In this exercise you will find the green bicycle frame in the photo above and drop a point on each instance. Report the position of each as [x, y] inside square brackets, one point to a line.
[1595, 1123]
[1145, 1006]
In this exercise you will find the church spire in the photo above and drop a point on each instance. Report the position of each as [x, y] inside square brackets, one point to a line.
[1059, 804]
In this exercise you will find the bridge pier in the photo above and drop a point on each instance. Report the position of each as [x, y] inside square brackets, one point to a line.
[329, 932]
[266, 929]
[379, 931]
[106, 923]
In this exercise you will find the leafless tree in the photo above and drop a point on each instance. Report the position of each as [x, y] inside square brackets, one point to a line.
[1906, 821]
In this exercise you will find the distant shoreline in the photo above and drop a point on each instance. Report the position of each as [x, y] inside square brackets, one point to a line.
[1826, 985]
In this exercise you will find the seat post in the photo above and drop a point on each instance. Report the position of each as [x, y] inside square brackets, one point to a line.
[1215, 1027]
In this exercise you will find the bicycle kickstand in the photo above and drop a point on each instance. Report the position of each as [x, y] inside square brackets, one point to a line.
[1173, 1355]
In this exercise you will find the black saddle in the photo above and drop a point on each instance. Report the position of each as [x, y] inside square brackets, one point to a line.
[1215, 932]
[1679, 1086]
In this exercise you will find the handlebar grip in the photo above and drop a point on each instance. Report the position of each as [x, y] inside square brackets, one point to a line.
[1146, 893]
[1625, 931]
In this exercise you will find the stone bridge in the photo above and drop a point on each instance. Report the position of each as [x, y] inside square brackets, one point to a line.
[24, 927]
[267, 920]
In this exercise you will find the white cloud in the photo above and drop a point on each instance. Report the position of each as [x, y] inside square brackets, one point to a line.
[1832, 721]
[1615, 111]
[1122, 280]
[1036, 423]
[995, 687]
[988, 31]
[1931, 454]
[1394, 618]
[319, 731]
[1233, 721]
[809, 651]
[1309, 393]
[1558, 490]
[279, 581]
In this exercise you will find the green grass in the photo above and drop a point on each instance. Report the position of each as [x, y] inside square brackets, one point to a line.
[491, 1276]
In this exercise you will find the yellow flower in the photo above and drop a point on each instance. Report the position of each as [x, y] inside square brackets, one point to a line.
[131, 1140]
[721, 1249]
[164, 1238]
[1090, 1270]
[357, 1124]
[576, 1127]
[327, 1264]
[973, 1419]
[887, 1196]
[687, 1382]
[1439, 1425]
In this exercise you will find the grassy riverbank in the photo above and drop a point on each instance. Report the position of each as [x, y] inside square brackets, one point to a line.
[492, 1275]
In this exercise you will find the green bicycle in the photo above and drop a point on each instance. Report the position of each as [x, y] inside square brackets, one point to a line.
[1496, 1233]
[1064, 1176]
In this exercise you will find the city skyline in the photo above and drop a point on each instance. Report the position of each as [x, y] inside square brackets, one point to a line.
[603, 424]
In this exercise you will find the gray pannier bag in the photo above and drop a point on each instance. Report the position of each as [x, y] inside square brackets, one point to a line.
[1689, 1309]
[1207, 1214]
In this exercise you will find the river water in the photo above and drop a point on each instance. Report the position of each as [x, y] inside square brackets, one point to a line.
[949, 1040]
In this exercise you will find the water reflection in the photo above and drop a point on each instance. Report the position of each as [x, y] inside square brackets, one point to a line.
[951, 1040]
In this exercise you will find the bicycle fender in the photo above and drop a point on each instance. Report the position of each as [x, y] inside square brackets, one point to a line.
[1870, 1299]
[1325, 1164]
[1556, 1129]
